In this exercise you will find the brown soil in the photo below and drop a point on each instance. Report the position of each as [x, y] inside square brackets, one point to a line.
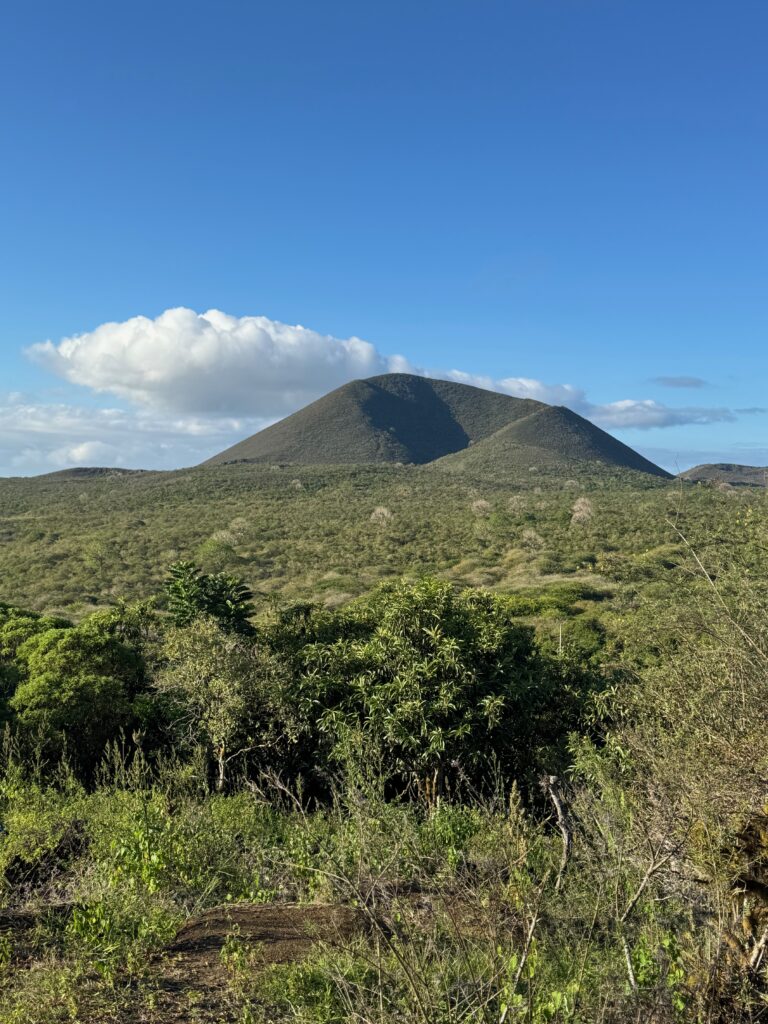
[191, 976]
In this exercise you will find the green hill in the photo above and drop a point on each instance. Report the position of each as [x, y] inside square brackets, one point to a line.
[549, 438]
[728, 473]
[396, 417]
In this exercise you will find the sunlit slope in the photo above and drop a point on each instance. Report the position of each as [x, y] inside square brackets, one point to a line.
[551, 437]
[727, 473]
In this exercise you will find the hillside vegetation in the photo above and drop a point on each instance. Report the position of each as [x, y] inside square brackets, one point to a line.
[325, 534]
[427, 806]
[553, 437]
[728, 473]
[396, 417]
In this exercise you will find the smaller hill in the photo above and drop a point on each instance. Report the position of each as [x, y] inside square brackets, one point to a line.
[88, 472]
[727, 473]
[550, 438]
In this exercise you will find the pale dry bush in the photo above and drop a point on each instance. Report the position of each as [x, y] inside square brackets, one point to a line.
[516, 503]
[296, 485]
[381, 514]
[229, 537]
[582, 512]
[531, 540]
[238, 528]
[480, 507]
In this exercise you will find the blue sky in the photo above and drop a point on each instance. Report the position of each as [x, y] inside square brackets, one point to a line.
[563, 198]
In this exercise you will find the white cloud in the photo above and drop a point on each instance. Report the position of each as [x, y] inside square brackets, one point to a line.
[524, 387]
[645, 414]
[627, 413]
[211, 363]
[39, 438]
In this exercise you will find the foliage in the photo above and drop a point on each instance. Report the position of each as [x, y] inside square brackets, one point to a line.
[191, 593]
[75, 687]
[440, 685]
[535, 774]
[223, 692]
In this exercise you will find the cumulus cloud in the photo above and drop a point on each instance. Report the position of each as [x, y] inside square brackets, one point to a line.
[680, 382]
[212, 363]
[524, 387]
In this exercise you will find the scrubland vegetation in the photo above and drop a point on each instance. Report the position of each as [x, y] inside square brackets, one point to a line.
[327, 534]
[495, 750]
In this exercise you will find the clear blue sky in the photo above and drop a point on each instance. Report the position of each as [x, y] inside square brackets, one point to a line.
[572, 191]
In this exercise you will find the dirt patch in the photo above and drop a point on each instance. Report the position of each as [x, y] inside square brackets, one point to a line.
[192, 978]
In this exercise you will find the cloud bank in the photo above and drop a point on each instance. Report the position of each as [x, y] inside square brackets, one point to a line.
[627, 413]
[38, 437]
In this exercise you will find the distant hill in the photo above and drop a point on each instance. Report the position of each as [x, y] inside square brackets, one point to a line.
[83, 472]
[400, 417]
[551, 437]
[396, 417]
[728, 473]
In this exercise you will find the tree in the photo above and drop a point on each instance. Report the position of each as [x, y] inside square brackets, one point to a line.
[224, 692]
[192, 593]
[441, 682]
[75, 688]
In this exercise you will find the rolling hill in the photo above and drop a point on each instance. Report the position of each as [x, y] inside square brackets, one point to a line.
[727, 473]
[551, 437]
[404, 418]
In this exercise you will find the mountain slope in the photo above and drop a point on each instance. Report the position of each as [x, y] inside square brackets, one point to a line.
[551, 437]
[391, 418]
[728, 473]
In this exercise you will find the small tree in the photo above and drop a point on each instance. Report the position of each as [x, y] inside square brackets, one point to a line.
[223, 692]
[75, 688]
[441, 682]
[581, 513]
[192, 593]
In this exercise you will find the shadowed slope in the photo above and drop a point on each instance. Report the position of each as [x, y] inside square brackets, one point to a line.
[391, 418]
[550, 437]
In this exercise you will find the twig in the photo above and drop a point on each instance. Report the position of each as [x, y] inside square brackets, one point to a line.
[551, 786]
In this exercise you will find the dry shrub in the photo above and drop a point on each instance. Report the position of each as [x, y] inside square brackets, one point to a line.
[480, 507]
[531, 540]
[381, 514]
[582, 512]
